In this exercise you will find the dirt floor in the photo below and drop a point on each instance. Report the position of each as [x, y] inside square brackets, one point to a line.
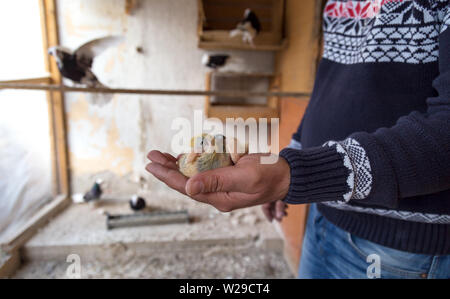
[240, 244]
[250, 264]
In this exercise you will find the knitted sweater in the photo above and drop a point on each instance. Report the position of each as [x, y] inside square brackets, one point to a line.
[374, 145]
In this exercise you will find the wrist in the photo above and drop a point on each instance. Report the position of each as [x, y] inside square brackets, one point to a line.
[285, 178]
[316, 174]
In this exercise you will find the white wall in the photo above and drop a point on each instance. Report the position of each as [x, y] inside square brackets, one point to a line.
[109, 136]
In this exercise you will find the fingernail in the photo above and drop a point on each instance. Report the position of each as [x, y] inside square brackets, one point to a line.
[194, 188]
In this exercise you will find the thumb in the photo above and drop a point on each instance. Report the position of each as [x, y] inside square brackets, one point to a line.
[224, 179]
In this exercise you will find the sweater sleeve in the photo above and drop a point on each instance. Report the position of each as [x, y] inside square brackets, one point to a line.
[412, 158]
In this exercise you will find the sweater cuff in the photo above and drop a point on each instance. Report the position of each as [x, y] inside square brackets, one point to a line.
[317, 174]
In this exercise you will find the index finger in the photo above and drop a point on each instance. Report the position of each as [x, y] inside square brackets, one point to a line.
[171, 177]
[164, 159]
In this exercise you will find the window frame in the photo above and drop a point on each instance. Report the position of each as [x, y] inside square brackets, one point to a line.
[58, 139]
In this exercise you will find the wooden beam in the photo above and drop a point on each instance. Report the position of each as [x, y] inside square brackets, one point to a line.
[50, 35]
[9, 263]
[207, 97]
[239, 45]
[223, 112]
[130, 5]
[37, 221]
[48, 66]
[227, 93]
[200, 18]
[55, 97]
[297, 65]
[40, 80]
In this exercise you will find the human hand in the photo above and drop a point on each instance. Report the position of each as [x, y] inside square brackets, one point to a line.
[247, 183]
[275, 210]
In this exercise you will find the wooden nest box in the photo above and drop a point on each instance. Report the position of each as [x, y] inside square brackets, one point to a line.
[218, 17]
[245, 107]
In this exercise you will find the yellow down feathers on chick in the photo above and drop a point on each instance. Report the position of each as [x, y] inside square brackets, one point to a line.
[208, 152]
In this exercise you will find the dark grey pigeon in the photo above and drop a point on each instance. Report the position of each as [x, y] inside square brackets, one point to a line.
[95, 193]
[77, 65]
[215, 61]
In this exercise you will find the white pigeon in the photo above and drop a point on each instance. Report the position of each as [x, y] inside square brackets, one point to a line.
[248, 28]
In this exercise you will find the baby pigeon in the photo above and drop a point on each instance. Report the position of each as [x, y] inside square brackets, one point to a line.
[208, 152]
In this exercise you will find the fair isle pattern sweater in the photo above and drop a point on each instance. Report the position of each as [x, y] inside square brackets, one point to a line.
[383, 89]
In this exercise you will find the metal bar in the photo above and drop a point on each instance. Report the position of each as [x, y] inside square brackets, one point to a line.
[141, 219]
[224, 93]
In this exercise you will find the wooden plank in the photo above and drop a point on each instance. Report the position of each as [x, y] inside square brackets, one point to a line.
[55, 101]
[41, 80]
[208, 89]
[263, 39]
[223, 112]
[37, 221]
[130, 6]
[9, 263]
[274, 102]
[227, 17]
[47, 63]
[200, 18]
[277, 19]
[297, 65]
[238, 74]
[239, 45]
[224, 93]
[235, 12]
[298, 62]
[240, 3]
[230, 24]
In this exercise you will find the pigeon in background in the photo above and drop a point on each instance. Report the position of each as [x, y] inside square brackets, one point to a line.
[215, 61]
[77, 65]
[137, 203]
[95, 193]
[249, 27]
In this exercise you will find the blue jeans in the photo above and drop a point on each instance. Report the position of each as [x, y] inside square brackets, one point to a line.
[330, 252]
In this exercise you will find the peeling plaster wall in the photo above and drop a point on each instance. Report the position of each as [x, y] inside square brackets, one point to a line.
[109, 135]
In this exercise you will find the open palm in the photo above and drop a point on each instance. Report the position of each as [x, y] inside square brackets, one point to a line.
[247, 183]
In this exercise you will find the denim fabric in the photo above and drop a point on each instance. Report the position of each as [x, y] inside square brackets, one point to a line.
[330, 252]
